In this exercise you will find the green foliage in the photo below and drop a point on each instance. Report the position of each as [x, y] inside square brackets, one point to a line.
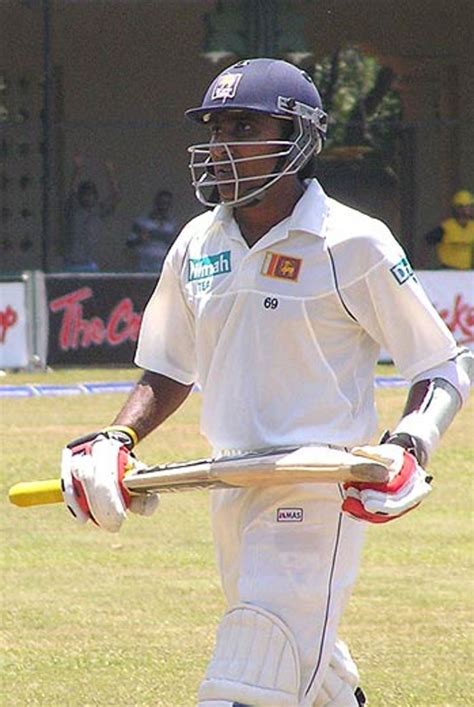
[243, 29]
[347, 81]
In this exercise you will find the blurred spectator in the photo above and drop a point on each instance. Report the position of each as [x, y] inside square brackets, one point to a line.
[454, 237]
[85, 212]
[153, 234]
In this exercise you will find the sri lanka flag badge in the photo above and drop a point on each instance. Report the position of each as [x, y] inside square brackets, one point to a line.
[281, 266]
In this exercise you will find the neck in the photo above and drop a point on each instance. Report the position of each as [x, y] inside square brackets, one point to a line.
[277, 204]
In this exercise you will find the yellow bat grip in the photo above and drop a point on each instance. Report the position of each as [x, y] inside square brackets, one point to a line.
[36, 493]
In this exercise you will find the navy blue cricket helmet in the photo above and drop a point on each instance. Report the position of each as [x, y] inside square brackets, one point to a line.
[275, 88]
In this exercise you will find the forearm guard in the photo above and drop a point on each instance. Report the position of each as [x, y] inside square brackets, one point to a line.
[431, 406]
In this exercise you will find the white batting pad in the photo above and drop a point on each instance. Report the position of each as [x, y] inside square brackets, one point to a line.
[255, 661]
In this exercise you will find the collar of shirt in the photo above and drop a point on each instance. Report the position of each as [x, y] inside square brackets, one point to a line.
[308, 216]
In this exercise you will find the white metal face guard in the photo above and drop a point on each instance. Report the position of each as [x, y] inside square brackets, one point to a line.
[309, 123]
[202, 164]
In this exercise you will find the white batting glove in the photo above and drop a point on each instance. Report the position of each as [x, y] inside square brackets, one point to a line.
[408, 485]
[92, 471]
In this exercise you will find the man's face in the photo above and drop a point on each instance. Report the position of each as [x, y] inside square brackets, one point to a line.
[163, 204]
[242, 127]
[88, 198]
[463, 214]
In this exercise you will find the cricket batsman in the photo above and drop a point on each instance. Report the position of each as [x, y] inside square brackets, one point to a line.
[276, 301]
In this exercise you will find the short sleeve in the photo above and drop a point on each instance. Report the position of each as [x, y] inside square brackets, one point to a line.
[166, 339]
[391, 305]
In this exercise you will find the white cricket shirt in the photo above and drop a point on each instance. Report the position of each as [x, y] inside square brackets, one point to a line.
[283, 337]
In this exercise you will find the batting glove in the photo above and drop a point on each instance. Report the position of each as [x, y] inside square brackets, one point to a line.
[407, 486]
[92, 473]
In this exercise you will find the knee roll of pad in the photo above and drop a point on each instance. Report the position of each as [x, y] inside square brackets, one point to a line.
[255, 661]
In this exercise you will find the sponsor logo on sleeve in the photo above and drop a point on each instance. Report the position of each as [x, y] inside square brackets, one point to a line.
[283, 267]
[290, 515]
[402, 271]
[226, 87]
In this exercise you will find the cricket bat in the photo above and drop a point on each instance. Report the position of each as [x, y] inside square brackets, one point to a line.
[262, 468]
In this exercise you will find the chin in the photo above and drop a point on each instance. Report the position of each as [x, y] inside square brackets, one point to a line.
[226, 194]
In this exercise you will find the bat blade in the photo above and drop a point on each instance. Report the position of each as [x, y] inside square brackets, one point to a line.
[311, 464]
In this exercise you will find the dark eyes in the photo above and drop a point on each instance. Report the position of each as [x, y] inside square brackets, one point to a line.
[241, 128]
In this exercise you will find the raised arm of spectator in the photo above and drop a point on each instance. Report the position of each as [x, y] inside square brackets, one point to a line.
[76, 176]
[114, 195]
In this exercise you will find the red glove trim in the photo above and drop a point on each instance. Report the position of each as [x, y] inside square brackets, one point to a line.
[398, 481]
[354, 508]
[81, 498]
[123, 457]
[82, 446]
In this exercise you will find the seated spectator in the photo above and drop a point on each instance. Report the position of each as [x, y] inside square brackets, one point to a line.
[454, 237]
[85, 213]
[153, 234]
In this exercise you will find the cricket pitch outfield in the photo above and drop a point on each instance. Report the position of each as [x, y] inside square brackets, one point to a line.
[90, 618]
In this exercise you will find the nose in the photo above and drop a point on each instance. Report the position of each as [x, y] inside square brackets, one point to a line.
[219, 151]
[216, 149]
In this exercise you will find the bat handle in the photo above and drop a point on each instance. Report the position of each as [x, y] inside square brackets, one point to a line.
[36, 493]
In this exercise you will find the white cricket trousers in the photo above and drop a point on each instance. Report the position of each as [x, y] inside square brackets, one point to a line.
[291, 551]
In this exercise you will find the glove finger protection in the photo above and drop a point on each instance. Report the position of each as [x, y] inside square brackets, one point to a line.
[70, 492]
[408, 485]
[92, 474]
[100, 473]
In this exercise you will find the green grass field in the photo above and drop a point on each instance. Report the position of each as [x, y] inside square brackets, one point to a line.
[90, 618]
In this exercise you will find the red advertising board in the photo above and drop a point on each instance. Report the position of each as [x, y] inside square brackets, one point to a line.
[95, 319]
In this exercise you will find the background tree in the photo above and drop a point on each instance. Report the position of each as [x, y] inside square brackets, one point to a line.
[364, 110]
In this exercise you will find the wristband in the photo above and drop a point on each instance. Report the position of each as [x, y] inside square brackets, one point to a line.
[122, 433]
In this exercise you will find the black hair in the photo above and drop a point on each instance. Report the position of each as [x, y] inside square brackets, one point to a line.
[163, 192]
[87, 186]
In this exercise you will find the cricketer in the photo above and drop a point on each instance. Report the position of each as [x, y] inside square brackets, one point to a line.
[275, 301]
